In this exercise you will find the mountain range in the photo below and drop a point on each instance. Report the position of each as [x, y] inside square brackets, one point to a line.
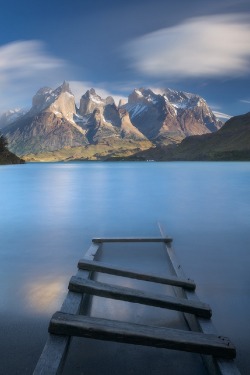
[230, 143]
[56, 129]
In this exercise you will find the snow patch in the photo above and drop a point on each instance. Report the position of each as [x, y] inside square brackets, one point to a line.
[57, 112]
[155, 101]
[136, 110]
[175, 109]
[69, 94]
[182, 105]
[83, 120]
[96, 100]
[138, 92]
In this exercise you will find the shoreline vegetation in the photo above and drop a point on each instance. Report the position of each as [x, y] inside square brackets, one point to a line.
[143, 156]
[6, 156]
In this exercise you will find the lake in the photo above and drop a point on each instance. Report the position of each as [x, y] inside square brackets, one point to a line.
[50, 212]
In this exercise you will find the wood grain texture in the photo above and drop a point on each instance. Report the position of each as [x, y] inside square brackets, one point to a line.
[132, 239]
[137, 296]
[160, 337]
[218, 366]
[120, 271]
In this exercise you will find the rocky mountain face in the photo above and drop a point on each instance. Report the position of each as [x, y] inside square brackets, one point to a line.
[103, 120]
[54, 122]
[49, 124]
[171, 116]
[231, 142]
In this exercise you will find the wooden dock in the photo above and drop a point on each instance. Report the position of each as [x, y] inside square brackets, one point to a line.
[217, 351]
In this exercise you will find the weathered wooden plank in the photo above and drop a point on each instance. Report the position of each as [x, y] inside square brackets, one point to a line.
[222, 366]
[138, 296]
[218, 366]
[53, 355]
[132, 239]
[120, 271]
[160, 337]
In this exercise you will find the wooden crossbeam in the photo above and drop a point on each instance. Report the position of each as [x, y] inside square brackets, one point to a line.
[138, 296]
[132, 239]
[160, 337]
[120, 271]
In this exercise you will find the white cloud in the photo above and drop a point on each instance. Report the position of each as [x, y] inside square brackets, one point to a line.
[24, 58]
[207, 46]
[245, 101]
[25, 66]
[221, 115]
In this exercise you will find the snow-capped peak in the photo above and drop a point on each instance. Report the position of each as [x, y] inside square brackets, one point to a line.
[11, 115]
[138, 92]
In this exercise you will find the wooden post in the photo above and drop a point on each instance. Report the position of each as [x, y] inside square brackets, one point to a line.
[53, 355]
[218, 366]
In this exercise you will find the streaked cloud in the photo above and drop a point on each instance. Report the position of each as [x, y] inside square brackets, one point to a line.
[245, 101]
[209, 46]
[25, 66]
[221, 115]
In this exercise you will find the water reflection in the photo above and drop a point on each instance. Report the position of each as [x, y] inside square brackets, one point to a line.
[140, 257]
[43, 296]
[49, 212]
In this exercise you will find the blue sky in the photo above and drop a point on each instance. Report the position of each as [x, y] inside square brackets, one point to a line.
[114, 46]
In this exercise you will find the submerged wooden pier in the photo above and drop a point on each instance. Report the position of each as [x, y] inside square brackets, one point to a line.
[217, 351]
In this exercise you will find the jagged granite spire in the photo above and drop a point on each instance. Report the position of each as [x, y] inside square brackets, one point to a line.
[54, 122]
[65, 87]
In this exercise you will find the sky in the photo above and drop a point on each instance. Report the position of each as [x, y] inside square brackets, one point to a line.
[115, 46]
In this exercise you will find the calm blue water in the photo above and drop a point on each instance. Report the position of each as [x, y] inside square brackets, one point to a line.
[50, 212]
